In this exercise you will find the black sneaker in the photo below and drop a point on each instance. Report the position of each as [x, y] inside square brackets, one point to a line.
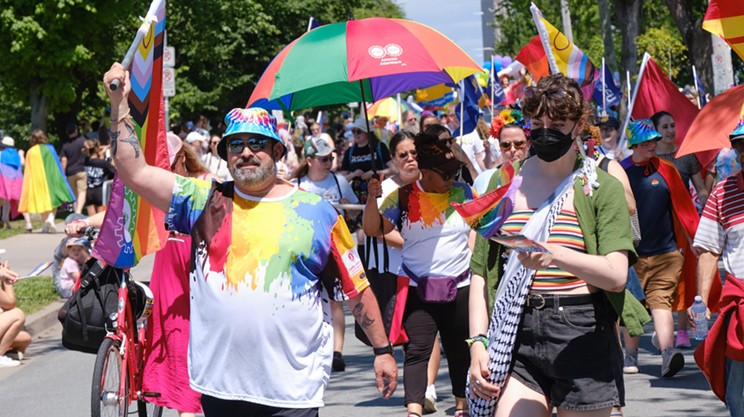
[672, 361]
[339, 365]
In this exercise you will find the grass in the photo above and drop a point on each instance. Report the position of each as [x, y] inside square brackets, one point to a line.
[34, 293]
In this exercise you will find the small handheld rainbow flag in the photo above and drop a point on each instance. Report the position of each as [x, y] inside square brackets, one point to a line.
[486, 214]
[133, 228]
[38, 270]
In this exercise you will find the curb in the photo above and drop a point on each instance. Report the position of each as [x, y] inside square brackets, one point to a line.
[43, 319]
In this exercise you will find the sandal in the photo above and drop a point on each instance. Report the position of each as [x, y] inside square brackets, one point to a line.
[616, 412]
[462, 413]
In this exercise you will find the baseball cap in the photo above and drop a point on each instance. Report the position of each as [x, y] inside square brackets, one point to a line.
[78, 241]
[609, 122]
[253, 120]
[194, 136]
[8, 141]
[316, 147]
[641, 130]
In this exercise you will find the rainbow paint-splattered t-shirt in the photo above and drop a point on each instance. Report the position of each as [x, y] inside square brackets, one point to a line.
[435, 237]
[261, 274]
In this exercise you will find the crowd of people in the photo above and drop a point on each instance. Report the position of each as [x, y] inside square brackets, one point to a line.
[284, 222]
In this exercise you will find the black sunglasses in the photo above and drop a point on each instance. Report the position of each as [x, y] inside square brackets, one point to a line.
[555, 93]
[255, 144]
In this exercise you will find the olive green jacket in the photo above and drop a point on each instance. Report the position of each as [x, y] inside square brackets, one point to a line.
[605, 225]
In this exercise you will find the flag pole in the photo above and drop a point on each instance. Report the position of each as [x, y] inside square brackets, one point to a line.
[604, 90]
[544, 38]
[623, 139]
[697, 90]
[400, 113]
[462, 109]
[492, 86]
[147, 21]
[627, 81]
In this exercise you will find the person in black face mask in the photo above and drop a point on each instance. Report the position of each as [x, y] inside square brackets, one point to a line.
[551, 339]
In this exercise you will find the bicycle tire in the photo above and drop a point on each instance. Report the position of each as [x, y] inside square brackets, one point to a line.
[105, 401]
[147, 409]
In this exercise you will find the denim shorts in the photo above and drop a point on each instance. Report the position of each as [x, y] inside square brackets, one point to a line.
[571, 354]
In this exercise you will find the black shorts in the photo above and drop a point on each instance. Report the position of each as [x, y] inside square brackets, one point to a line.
[94, 196]
[215, 407]
[571, 354]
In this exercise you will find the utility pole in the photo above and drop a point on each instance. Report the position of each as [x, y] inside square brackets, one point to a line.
[566, 15]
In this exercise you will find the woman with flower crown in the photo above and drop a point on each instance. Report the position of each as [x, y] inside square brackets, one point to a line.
[509, 143]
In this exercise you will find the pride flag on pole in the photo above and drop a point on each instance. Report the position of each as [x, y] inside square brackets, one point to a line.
[564, 56]
[133, 228]
[725, 18]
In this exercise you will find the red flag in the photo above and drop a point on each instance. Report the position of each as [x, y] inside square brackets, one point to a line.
[656, 92]
[533, 57]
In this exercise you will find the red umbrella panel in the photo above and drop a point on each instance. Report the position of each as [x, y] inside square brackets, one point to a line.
[710, 129]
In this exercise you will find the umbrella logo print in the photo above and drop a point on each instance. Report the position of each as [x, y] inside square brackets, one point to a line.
[388, 55]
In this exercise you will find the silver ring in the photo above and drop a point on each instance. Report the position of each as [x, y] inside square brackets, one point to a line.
[477, 382]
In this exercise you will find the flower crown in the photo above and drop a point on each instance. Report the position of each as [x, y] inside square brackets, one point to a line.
[509, 117]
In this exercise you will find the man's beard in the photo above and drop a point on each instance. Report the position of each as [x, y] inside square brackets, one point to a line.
[260, 174]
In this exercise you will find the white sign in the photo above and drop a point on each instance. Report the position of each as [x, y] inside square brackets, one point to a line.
[169, 82]
[723, 72]
[169, 57]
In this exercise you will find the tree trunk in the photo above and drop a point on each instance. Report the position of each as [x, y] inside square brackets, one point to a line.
[698, 41]
[605, 19]
[629, 17]
[39, 108]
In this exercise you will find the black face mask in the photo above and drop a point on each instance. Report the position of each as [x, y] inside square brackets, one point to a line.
[550, 144]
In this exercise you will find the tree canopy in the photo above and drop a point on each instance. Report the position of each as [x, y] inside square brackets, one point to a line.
[56, 51]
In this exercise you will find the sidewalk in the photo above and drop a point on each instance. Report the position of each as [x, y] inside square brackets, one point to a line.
[25, 251]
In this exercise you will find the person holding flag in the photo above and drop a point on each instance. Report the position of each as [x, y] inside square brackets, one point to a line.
[265, 256]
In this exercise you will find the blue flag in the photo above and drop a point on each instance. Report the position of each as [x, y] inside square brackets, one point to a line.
[498, 92]
[614, 95]
[701, 92]
[471, 94]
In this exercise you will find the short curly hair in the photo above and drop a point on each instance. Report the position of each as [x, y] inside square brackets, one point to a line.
[558, 97]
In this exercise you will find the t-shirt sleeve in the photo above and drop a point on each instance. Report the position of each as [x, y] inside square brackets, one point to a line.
[613, 220]
[390, 207]
[188, 201]
[346, 191]
[344, 273]
[710, 234]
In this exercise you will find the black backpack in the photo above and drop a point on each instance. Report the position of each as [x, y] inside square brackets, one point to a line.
[85, 316]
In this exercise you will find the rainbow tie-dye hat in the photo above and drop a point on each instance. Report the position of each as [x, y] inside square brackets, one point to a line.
[641, 130]
[253, 120]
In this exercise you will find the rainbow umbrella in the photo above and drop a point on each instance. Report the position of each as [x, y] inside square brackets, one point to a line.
[359, 61]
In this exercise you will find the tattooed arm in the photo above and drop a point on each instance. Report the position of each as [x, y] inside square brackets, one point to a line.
[153, 183]
[366, 312]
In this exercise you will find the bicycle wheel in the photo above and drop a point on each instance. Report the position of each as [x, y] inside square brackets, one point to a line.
[148, 409]
[107, 398]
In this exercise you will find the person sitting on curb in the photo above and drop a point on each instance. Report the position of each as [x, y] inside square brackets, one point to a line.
[12, 319]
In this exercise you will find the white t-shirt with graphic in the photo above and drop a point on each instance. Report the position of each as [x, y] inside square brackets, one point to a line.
[435, 237]
[328, 188]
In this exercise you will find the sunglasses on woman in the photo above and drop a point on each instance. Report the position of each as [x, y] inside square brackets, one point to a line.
[254, 144]
[555, 93]
[404, 155]
[324, 159]
[518, 145]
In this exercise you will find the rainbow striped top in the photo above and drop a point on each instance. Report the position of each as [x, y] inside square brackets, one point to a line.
[566, 232]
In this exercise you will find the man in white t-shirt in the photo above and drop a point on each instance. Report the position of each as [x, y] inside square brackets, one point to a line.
[265, 259]
[472, 145]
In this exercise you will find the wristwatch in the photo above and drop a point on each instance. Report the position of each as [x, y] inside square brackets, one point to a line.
[383, 350]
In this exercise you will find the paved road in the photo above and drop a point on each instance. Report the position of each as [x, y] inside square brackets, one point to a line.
[56, 382]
